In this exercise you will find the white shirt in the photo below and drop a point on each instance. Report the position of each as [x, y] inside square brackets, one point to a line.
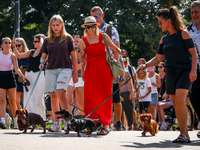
[143, 86]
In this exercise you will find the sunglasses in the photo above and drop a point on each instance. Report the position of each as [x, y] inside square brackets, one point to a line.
[35, 41]
[92, 26]
[18, 45]
[7, 42]
[160, 66]
[97, 16]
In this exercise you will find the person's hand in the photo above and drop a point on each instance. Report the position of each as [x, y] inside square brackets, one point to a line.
[121, 99]
[123, 52]
[41, 66]
[75, 77]
[121, 83]
[131, 96]
[24, 78]
[142, 66]
[193, 76]
[13, 43]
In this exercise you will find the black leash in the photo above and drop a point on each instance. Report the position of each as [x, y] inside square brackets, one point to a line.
[111, 95]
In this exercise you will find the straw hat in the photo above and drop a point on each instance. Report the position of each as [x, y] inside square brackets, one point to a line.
[90, 20]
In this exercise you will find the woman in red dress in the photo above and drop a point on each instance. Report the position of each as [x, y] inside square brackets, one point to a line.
[97, 75]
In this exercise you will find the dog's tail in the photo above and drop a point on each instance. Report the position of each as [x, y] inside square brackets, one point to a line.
[97, 119]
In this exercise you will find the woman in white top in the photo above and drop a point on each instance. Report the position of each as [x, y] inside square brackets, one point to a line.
[155, 82]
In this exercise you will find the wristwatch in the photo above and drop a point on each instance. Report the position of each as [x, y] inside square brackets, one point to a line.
[121, 79]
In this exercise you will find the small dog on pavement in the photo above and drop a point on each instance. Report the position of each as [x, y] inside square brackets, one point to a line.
[26, 119]
[149, 125]
[77, 123]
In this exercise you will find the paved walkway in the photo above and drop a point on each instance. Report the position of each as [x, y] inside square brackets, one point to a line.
[115, 140]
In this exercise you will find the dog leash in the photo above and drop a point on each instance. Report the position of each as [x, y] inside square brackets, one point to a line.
[36, 80]
[111, 95]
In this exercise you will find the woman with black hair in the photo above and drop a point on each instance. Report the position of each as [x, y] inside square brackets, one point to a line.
[181, 61]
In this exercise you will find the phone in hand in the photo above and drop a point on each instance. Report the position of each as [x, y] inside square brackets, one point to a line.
[13, 37]
[77, 48]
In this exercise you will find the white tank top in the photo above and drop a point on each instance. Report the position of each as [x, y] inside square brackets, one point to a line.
[5, 62]
[153, 80]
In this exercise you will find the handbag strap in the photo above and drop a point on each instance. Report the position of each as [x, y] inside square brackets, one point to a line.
[106, 43]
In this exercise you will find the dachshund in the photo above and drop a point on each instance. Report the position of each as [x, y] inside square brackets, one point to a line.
[77, 122]
[149, 125]
[26, 119]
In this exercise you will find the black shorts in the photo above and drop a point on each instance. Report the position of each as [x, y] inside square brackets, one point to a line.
[116, 96]
[7, 80]
[177, 79]
[143, 106]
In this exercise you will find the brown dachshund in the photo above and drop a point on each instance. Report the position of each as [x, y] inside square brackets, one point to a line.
[26, 119]
[149, 125]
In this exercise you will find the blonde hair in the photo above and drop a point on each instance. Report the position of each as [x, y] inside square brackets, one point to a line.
[21, 40]
[63, 32]
[138, 75]
[173, 14]
[96, 31]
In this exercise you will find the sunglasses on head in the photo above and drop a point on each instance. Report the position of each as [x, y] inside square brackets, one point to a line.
[160, 66]
[92, 26]
[18, 45]
[7, 42]
[35, 41]
[97, 16]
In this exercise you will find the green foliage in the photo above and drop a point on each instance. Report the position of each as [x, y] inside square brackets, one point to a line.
[135, 20]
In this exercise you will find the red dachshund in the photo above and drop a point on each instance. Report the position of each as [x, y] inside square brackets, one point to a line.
[149, 125]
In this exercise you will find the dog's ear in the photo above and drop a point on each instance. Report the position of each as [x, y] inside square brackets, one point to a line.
[141, 117]
[16, 113]
[26, 113]
[150, 118]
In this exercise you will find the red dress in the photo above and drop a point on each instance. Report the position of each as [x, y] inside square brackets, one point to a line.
[97, 82]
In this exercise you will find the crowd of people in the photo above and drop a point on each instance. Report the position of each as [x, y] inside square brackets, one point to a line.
[73, 71]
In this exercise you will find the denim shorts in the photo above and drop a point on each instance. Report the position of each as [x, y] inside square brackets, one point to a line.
[154, 99]
[53, 76]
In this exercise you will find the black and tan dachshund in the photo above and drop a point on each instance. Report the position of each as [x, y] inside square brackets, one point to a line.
[77, 122]
[26, 119]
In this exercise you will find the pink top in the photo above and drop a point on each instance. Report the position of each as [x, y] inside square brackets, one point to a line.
[5, 62]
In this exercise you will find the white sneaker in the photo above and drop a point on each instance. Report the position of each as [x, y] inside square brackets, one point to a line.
[15, 123]
[65, 126]
[55, 127]
[159, 123]
[164, 126]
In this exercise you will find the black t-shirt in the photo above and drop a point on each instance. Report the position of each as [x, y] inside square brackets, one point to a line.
[176, 52]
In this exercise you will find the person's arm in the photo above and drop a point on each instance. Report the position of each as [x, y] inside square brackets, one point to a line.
[42, 60]
[16, 67]
[149, 92]
[82, 57]
[158, 83]
[193, 52]
[114, 47]
[130, 85]
[74, 63]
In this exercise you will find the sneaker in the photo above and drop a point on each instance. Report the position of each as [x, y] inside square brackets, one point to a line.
[159, 123]
[15, 123]
[118, 126]
[55, 127]
[2, 125]
[163, 126]
[65, 126]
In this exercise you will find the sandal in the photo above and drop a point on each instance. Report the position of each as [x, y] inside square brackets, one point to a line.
[103, 132]
[181, 139]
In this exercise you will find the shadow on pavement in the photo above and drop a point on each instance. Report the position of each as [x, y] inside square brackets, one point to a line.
[162, 144]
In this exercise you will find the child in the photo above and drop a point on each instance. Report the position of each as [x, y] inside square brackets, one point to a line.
[143, 90]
